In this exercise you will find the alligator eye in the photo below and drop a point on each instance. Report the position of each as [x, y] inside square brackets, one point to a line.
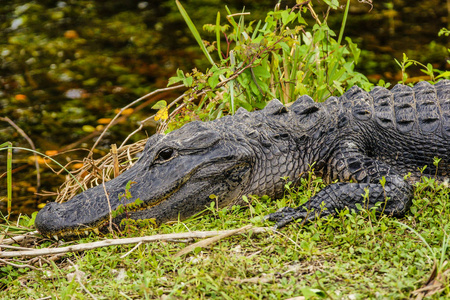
[165, 154]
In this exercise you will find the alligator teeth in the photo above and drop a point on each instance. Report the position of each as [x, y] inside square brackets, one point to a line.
[96, 231]
[55, 237]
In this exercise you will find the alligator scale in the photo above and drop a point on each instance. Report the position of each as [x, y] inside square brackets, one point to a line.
[356, 140]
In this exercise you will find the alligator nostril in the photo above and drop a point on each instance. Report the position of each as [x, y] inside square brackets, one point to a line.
[50, 206]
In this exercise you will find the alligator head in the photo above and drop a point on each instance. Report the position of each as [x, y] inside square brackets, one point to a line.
[173, 179]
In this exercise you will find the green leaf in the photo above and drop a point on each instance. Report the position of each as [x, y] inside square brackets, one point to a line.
[188, 81]
[261, 71]
[32, 219]
[445, 74]
[337, 85]
[254, 88]
[287, 16]
[334, 4]
[285, 47]
[218, 35]
[353, 49]
[194, 31]
[243, 103]
[173, 80]
[301, 20]
[310, 293]
[213, 80]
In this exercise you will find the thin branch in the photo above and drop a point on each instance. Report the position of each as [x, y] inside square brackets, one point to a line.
[133, 133]
[18, 238]
[13, 247]
[131, 251]
[125, 241]
[238, 14]
[16, 265]
[109, 204]
[212, 240]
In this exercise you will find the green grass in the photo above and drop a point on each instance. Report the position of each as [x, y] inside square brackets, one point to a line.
[351, 255]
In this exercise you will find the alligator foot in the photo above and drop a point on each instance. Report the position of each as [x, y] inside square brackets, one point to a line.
[288, 214]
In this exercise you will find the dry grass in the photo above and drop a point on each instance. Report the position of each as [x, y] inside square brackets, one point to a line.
[94, 172]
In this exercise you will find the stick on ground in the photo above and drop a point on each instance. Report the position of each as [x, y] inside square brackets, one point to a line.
[127, 241]
[212, 240]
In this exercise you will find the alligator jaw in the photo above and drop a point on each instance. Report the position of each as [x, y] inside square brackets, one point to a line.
[168, 190]
[66, 220]
[69, 219]
[52, 214]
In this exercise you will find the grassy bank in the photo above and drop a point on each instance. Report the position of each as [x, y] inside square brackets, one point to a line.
[349, 256]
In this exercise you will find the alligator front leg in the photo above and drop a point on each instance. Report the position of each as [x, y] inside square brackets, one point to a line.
[348, 164]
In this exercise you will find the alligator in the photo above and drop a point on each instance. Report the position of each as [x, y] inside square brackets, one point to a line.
[359, 142]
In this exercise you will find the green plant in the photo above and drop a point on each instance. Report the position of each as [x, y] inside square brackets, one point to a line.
[281, 57]
[9, 147]
[427, 69]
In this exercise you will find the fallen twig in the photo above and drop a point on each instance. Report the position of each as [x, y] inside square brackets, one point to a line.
[18, 238]
[16, 265]
[212, 240]
[131, 251]
[126, 241]
[14, 247]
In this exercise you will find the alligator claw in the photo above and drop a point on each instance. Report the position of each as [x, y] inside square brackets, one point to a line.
[286, 215]
[279, 214]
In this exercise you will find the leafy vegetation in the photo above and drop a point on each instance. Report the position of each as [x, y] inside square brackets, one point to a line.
[281, 58]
